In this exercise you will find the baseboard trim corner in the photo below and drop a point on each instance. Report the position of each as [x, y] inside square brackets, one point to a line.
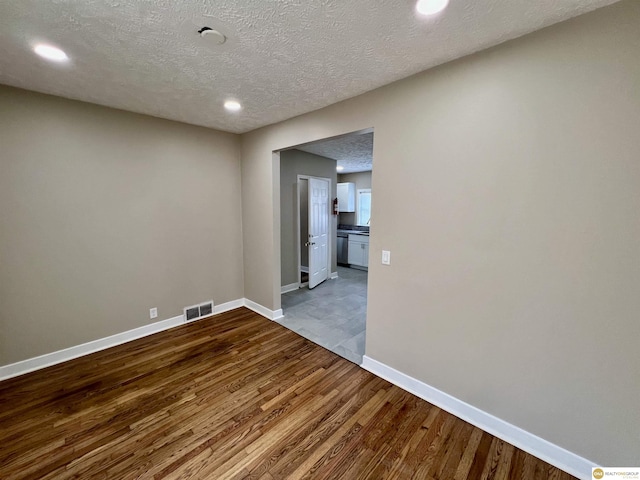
[264, 311]
[289, 288]
[557, 456]
[334, 275]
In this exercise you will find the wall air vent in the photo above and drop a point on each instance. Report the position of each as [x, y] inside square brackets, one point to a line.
[196, 312]
[191, 313]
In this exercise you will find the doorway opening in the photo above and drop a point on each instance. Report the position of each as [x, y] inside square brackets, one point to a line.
[327, 304]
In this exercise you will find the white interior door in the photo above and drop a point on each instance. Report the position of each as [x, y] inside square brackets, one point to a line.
[318, 231]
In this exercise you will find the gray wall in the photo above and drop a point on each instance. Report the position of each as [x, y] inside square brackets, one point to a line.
[292, 164]
[362, 180]
[518, 288]
[106, 214]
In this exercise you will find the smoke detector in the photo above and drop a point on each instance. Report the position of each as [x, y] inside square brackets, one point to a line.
[212, 36]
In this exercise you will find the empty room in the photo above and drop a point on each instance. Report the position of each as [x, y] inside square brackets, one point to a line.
[143, 328]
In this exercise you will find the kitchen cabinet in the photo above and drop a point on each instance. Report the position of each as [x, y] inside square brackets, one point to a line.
[359, 250]
[347, 197]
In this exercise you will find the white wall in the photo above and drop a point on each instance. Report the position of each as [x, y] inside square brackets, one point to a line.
[518, 288]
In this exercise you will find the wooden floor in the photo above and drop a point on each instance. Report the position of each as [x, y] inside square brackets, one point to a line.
[231, 397]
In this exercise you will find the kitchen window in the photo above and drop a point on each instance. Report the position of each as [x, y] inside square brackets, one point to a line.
[364, 207]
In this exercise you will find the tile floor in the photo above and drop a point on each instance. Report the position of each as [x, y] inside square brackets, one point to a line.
[333, 314]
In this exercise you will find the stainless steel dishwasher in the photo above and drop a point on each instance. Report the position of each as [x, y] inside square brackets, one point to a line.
[343, 248]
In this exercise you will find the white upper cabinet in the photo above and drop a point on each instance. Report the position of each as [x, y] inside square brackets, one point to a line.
[347, 197]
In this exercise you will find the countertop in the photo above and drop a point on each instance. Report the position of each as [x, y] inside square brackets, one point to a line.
[353, 232]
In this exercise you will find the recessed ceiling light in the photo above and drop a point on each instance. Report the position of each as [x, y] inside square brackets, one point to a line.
[431, 7]
[232, 105]
[339, 168]
[50, 53]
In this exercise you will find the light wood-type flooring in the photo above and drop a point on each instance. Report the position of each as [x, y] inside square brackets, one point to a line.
[236, 396]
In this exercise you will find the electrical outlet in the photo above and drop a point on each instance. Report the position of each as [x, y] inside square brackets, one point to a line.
[386, 257]
[153, 312]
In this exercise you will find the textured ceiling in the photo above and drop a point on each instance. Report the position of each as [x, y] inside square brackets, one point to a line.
[282, 57]
[353, 152]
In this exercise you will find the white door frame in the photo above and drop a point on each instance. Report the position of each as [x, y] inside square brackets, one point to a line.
[298, 243]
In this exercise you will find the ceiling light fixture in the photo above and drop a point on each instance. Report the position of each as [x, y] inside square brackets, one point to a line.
[50, 53]
[232, 105]
[339, 168]
[431, 7]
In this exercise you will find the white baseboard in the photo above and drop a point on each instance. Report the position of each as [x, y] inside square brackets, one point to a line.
[53, 358]
[333, 275]
[225, 307]
[530, 443]
[264, 311]
[290, 288]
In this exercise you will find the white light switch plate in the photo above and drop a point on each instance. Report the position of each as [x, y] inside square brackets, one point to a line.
[386, 257]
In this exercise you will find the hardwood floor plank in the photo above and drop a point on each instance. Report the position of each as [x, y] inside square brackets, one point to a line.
[457, 444]
[318, 432]
[481, 456]
[462, 471]
[431, 445]
[234, 397]
[410, 418]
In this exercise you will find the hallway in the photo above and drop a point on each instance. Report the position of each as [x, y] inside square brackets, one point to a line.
[333, 314]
